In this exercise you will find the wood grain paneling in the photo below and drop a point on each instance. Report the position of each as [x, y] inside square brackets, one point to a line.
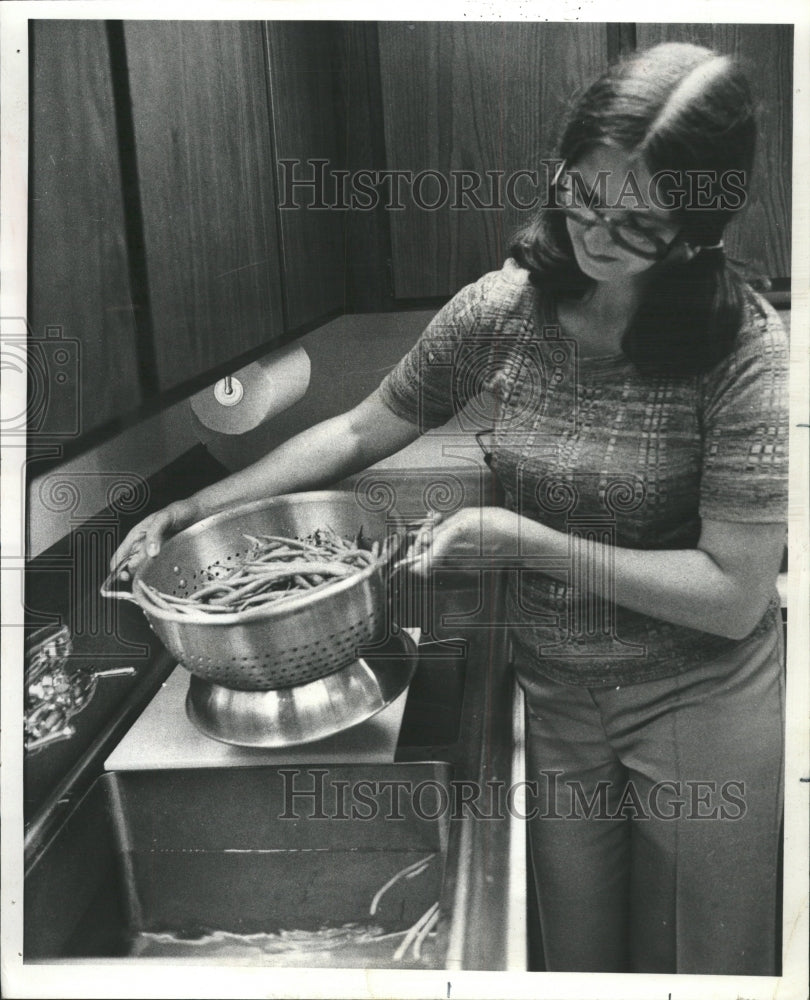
[302, 58]
[78, 270]
[476, 97]
[367, 237]
[761, 237]
[202, 138]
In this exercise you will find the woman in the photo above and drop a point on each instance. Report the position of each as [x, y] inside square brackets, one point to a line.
[640, 440]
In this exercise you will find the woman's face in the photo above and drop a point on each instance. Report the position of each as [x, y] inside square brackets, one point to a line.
[619, 181]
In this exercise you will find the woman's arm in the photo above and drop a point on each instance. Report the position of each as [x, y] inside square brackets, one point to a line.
[723, 586]
[321, 455]
[340, 446]
[327, 452]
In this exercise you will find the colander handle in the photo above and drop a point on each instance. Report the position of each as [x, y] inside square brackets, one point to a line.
[119, 595]
[399, 555]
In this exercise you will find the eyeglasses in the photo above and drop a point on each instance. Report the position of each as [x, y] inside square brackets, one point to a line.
[625, 232]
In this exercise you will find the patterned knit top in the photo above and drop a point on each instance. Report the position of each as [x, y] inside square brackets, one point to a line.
[596, 449]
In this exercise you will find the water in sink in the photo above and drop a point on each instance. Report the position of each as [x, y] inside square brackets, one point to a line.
[382, 906]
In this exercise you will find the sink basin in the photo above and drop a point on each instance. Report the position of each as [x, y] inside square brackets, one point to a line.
[220, 866]
[272, 865]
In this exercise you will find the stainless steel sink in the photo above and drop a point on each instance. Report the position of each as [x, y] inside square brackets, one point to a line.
[209, 864]
[276, 865]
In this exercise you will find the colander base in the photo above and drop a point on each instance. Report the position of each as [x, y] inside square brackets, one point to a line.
[304, 713]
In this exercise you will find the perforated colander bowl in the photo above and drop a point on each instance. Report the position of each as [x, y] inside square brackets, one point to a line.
[292, 642]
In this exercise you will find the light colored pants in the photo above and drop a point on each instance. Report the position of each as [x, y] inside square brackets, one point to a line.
[675, 870]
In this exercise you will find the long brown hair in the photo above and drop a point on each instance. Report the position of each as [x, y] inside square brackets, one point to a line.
[681, 108]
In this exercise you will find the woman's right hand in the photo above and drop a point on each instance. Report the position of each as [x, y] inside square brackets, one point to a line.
[144, 540]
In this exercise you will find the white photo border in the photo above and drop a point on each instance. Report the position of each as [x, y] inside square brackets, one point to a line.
[184, 979]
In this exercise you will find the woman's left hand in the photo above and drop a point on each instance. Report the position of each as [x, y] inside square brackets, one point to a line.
[464, 540]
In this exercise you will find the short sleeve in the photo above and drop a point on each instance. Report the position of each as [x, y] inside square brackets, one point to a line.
[745, 425]
[423, 388]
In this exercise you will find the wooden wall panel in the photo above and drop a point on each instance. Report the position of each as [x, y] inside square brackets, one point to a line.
[78, 269]
[302, 57]
[367, 237]
[477, 97]
[761, 237]
[202, 138]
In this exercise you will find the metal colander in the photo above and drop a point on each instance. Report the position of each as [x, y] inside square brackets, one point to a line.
[282, 645]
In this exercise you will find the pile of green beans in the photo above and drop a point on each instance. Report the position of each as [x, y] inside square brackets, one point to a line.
[274, 569]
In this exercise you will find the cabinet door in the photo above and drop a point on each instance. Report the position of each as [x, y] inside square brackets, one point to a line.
[78, 267]
[761, 237]
[201, 122]
[476, 98]
[304, 86]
